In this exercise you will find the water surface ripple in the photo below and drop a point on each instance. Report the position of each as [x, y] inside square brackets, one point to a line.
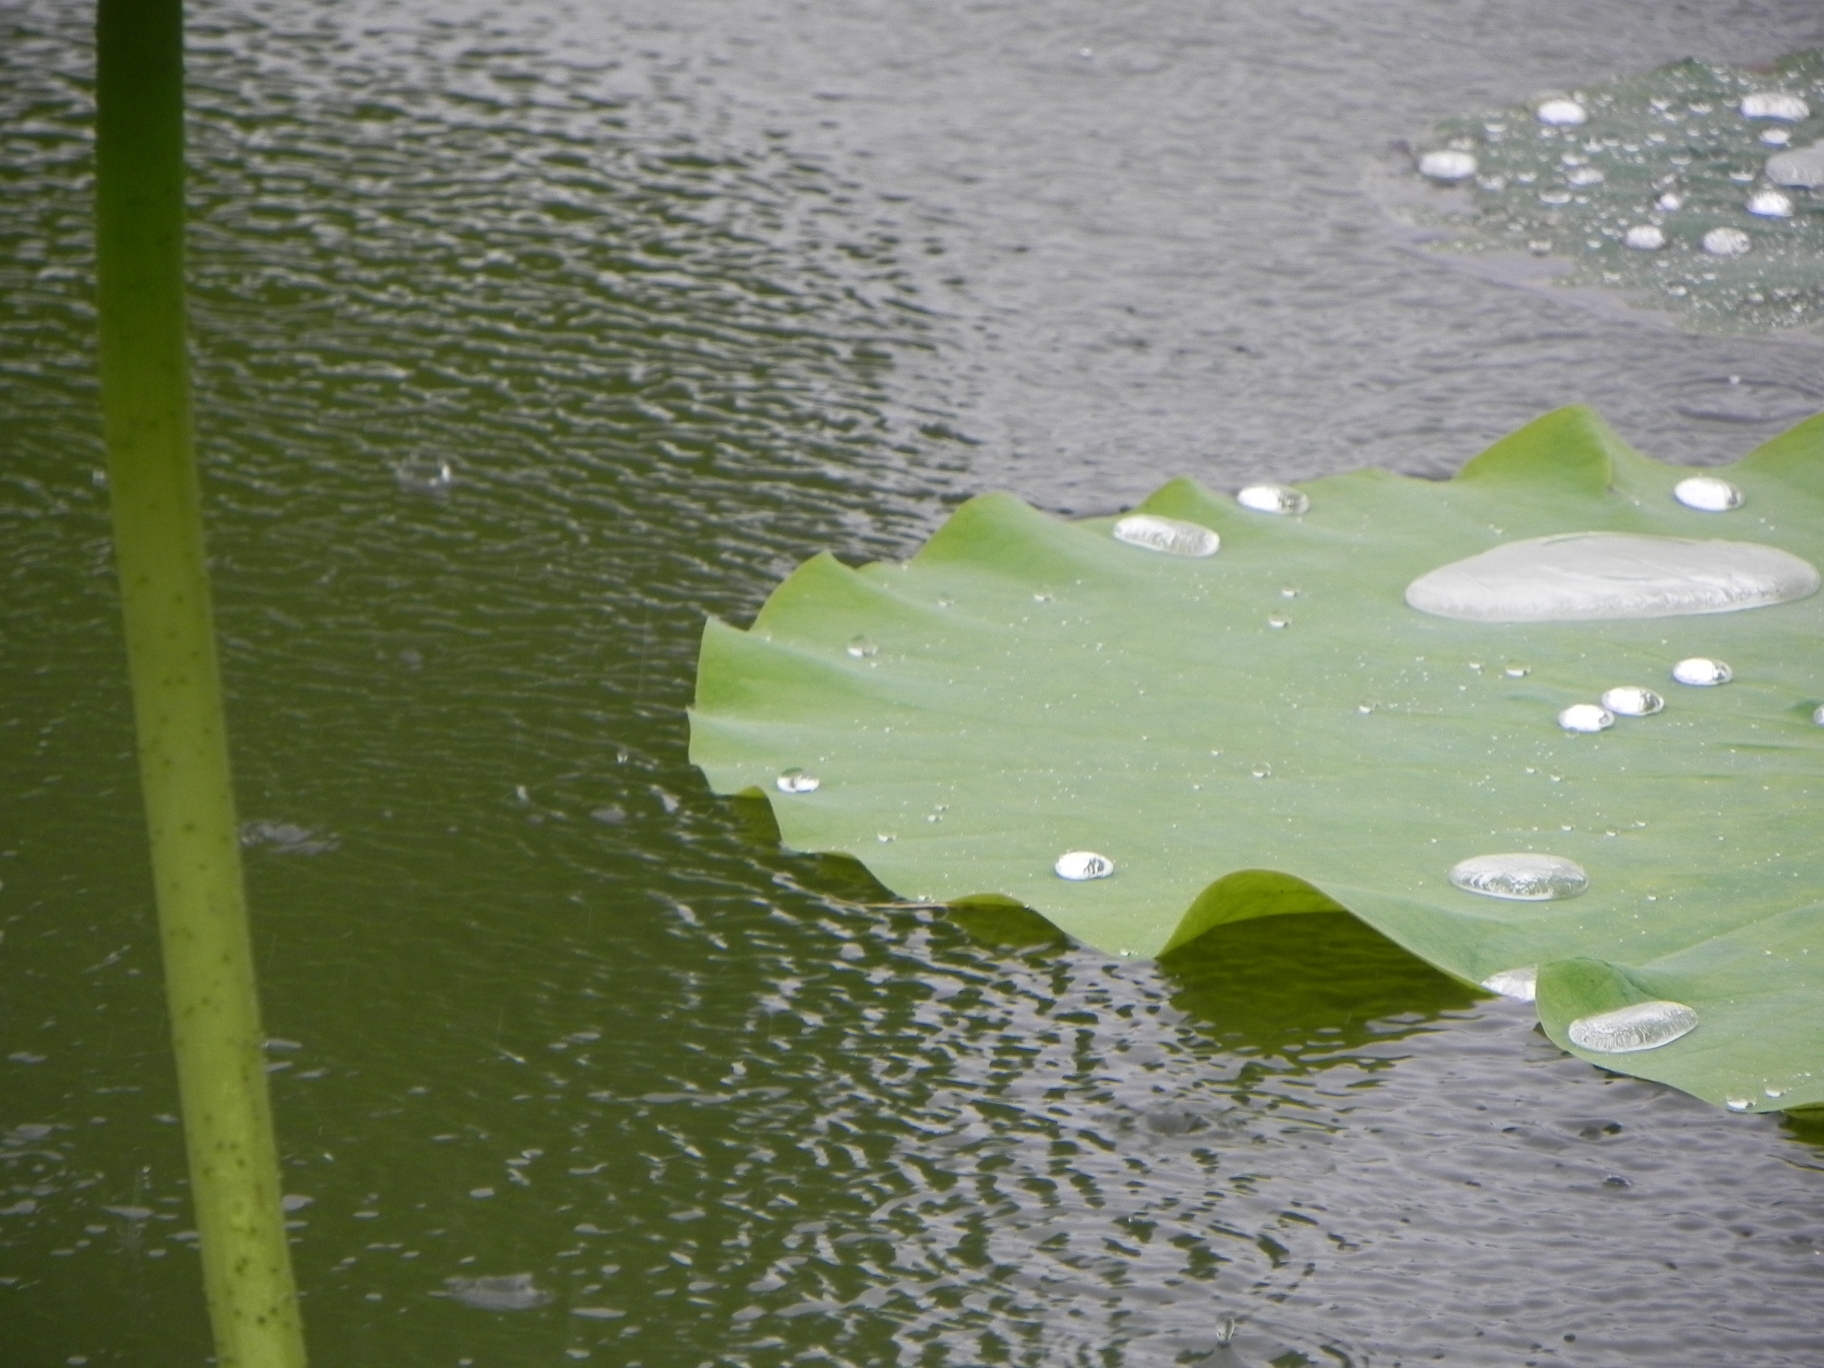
[526, 335]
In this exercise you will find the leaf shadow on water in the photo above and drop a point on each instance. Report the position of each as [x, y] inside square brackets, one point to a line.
[1307, 985]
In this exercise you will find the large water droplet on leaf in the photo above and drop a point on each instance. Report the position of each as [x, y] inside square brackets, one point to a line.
[1272, 498]
[1586, 717]
[1078, 865]
[1727, 242]
[1168, 535]
[1599, 576]
[1632, 701]
[1520, 876]
[797, 781]
[1802, 169]
[1447, 166]
[1708, 494]
[1775, 104]
[1641, 1026]
[1702, 672]
[1770, 204]
[1521, 984]
[1561, 113]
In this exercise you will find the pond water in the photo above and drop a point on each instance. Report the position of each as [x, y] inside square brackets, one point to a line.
[527, 335]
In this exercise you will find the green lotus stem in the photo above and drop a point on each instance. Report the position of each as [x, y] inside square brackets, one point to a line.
[177, 695]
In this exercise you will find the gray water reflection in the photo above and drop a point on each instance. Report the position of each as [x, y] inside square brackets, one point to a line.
[678, 294]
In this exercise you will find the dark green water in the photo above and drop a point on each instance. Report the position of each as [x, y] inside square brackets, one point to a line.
[680, 294]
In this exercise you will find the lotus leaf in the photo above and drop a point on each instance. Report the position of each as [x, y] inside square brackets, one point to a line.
[1272, 729]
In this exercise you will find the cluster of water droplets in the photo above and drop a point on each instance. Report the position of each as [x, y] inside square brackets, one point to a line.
[1695, 187]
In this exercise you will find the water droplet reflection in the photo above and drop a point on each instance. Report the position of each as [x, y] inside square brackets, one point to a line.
[1520, 876]
[1640, 1026]
[1168, 535]
[1520, 984]
[797, 781]
[1078, 865]
[1702, 672]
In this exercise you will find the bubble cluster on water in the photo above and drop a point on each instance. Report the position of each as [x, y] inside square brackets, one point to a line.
[1695, 188]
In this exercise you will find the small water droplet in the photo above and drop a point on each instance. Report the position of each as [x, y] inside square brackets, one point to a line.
[1629, 700]
[946, 601]
[1561, 113]
[1817, 715]
[1738, 1104]
[1520, 876]
[797, 781]
[1702, 672]
[1770, 204]
[1262, 771]
[1775, 104]
[1668, 202]
[1644, 237]
[1801, 170]
[1288, 592]
[1708, 494]
[1774, 1092]
[1078, 865]
[861, 648]
[1584, 175]
[1447, 166]
[1517, 671]
[1586, 717]
[1521, 984]
[1169, 535]
[1274, 498]
[1727, 242]
[1276, 621]
[1776, 137]
[885, 837]
[1596, 576]
[1640, 1026]
[1554, 197]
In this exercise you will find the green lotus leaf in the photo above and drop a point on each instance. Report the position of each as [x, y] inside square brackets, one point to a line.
[1272, 730]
